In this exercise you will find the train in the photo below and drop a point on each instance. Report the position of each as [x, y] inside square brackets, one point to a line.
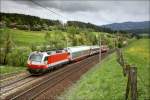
[42, 62]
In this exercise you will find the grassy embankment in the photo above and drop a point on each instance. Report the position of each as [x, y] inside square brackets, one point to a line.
[106, 81]
[10, 69]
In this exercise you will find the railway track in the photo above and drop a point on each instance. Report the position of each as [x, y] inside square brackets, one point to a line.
[16, 84]
[5, 77]
[59, 85]
[38, 85]
[14, 79]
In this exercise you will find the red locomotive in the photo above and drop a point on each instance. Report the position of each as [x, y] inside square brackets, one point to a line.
[40, 62]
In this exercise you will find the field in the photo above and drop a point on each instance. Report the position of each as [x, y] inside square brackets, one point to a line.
[25, 38]
[106, 81]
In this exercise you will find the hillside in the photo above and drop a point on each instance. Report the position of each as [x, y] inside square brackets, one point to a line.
[33, 23]
[134, 27]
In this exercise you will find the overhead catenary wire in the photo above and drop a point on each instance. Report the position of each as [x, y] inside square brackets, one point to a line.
[51, 12]
[56, 13]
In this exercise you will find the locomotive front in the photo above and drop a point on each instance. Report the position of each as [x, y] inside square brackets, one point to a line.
[37, 63]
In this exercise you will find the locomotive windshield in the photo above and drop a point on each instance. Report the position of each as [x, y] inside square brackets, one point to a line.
[36, 57]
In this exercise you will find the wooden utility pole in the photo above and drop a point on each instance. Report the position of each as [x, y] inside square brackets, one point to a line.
[100, 48]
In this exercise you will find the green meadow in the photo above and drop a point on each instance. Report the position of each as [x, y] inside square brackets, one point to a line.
[11, 69]
[105, 81]
[26, 38]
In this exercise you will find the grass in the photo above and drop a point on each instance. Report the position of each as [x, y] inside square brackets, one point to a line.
[106, 81]
[10, 69]
[138, 55]
[27, 38]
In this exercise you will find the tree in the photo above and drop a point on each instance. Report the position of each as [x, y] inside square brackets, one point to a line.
[8, 44]
[56, 40]
[73, 31]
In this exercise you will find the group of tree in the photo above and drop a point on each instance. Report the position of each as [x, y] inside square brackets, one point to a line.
[9, 53]
[26, 22]
[89, 26]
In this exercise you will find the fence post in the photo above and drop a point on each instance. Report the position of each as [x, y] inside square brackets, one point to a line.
[120, 60]
[127, 88]
[133, 82]
[131, 72]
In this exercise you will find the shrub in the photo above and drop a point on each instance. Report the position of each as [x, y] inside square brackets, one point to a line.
[18, 56]
[33, 47]
[23, 27]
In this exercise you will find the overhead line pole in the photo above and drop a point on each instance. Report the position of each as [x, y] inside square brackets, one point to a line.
[100, 47]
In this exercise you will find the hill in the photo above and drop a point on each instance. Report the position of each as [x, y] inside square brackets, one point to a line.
[33, 23]
[134, 27]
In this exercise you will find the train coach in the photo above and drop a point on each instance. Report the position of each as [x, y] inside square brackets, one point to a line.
[41, 62]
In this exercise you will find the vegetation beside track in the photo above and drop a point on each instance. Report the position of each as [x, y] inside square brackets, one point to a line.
[106, 81]
[10, 69]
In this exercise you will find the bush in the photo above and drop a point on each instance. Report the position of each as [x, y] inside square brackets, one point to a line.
[18, 56]
[23, 27]
[36, 28]
[33, 47]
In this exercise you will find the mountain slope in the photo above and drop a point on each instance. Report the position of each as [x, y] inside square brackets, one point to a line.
[142, 27]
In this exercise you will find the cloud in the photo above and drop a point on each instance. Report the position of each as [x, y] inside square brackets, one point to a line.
[97, 12]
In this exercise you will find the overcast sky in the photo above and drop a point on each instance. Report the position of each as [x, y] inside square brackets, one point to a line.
[96, 12]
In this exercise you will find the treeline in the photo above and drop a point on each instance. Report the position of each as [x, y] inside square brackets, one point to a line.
[33, 23]
[26, 22]
[89, 26]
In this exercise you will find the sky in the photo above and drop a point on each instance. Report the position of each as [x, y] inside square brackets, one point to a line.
[98, 12]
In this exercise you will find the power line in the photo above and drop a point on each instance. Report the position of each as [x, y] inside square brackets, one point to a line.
[49, 9]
